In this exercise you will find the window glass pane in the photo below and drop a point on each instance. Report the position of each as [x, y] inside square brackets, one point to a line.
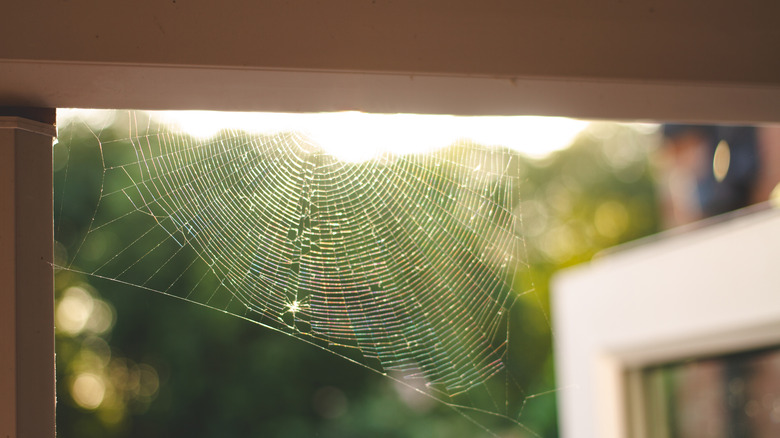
[729, 396]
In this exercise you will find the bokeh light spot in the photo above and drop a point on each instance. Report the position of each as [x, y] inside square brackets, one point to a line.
[721, 161]
[329, 402]
[611, 219]
[88, 390]
[73, 310]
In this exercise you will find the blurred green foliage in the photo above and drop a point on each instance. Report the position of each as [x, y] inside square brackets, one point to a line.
[170, 368]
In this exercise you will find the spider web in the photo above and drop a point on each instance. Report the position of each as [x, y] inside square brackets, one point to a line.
[402, 263]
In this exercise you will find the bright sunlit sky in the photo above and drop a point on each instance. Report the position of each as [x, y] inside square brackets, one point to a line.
[356, 136]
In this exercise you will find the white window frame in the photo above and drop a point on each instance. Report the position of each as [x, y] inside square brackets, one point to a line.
[710, 291]
[180, 88]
